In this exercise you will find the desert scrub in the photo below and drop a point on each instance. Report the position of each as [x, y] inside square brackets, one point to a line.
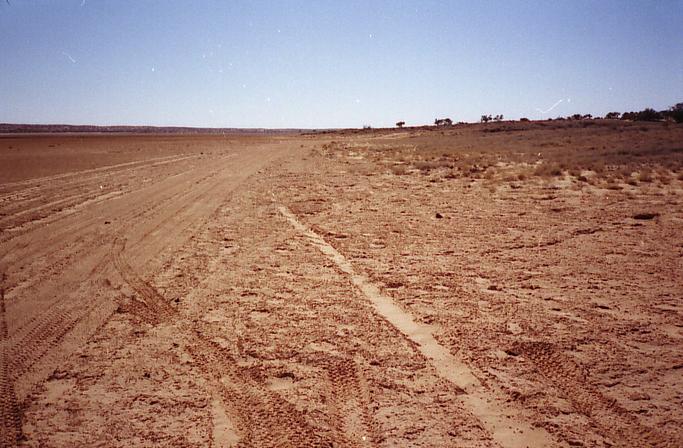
[428, 165]
[613, 184]
[451, 174]
[546, 169]
[399, 170]
[645, 175]
[664, 176]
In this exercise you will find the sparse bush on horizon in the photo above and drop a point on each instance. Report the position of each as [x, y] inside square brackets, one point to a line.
[443, 122]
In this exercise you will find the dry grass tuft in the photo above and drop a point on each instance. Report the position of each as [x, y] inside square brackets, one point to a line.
[548, 169]
[399, 170]
[645, 175]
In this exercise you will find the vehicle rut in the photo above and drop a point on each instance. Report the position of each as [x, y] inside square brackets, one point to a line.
[263, 418]
[572, 380]
[505, 424]
[350, 400]
[10, 416]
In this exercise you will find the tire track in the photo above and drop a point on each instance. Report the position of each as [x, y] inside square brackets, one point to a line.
[38, 346]
[45, 331]
[61, 239]
[58, 208]
[21, 203]
[45, 335]
[31, 185]
[33, 225]
[504, 423]
[350, 400]
[10, 416]
[157, 308]
[263, 418]
[572, 380]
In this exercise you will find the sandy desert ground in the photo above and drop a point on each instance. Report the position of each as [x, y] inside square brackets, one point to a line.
[499, 285]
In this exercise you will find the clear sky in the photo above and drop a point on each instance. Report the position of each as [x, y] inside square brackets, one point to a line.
[333, 63]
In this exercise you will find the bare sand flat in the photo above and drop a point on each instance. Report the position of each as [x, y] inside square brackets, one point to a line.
[498, 285]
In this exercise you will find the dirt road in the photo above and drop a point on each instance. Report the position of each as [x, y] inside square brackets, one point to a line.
[72, 241]
[262, 291]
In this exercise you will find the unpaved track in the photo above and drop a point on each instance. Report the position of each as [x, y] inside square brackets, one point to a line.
[61, 265]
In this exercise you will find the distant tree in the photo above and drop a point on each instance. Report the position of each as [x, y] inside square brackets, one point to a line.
[675, 113]
[443, 122]
[648, 114]
[587, 117]
[523, 119]
[613, 116]
[498, 117]
[367, 126]
[400, 124]
[485, 118]
[630, 116]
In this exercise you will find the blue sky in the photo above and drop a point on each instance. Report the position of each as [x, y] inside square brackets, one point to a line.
[333, 63]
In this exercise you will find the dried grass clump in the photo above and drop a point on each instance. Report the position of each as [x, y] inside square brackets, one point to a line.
[626, 171]
[548, 169]
[428, 165]
[451, 174]
[645, 175]
[613, 184]
[399, 170]
[597, 166]
[664, 176]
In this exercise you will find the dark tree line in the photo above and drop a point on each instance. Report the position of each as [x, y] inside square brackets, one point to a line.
[674, 113]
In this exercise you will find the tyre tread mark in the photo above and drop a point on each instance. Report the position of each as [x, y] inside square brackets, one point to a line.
[572, 380]
[264, 418]
[352, 418]
[156, 309]
[45, 335]
[10, 415]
